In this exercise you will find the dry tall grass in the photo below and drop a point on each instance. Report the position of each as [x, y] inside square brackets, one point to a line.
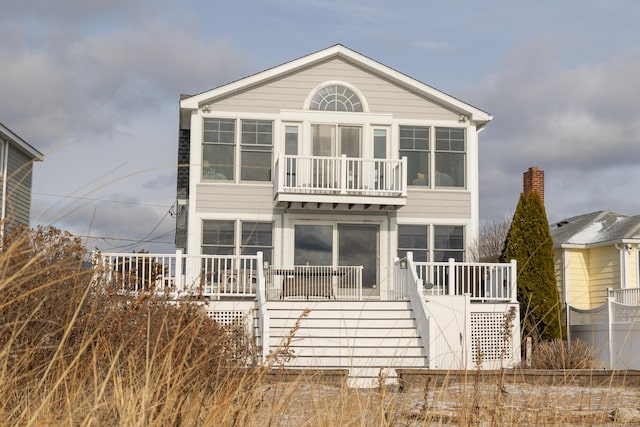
[74, 352]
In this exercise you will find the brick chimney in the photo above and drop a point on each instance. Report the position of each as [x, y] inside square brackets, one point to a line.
[533, 180]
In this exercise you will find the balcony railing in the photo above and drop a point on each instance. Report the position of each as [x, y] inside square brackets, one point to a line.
[341, 176]
[304, 282]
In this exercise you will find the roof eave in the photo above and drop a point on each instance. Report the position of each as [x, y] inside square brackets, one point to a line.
[21, 144]
[471, 113]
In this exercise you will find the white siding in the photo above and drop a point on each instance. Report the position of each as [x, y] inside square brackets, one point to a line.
[234, 198]
[290, 93]
[437, 204]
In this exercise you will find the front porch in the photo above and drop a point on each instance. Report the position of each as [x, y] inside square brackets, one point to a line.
[436, 315]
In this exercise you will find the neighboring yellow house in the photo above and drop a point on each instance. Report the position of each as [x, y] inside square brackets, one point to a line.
[594, 252]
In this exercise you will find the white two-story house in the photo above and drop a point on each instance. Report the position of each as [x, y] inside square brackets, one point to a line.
[336, 184]
[332, 159]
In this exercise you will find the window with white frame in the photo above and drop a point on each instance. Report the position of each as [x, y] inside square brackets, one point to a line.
[336, 97]
[257, 237]
[414, 238]
[414, 145]
[450, 157]
[256, 148]
[219, 238]
[218, 149]
[448, 242]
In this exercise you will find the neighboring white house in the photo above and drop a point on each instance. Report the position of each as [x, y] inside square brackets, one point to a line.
[337, 184]
[16, 167]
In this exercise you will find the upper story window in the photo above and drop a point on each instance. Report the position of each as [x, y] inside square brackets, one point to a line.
[414, 145]
[220, 144]
[447, 155]
[218, 149]
[336, 97]
[256, 148]
[450, 157]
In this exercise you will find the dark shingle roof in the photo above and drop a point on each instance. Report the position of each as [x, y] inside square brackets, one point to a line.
[596, 227]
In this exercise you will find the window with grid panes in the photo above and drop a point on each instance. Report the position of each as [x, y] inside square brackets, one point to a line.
[218, 149]
[450, 161]
[256, 148]
[414, 145]
[257, 237]
[218, 237]
[414, 238]
[448, 242]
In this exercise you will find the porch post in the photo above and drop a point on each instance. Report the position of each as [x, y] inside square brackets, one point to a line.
[263, 320]
[178, 282]
[452, 276]
[513, 280]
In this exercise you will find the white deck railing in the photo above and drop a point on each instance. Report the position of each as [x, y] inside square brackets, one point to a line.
[482, 281]
[314, 282]
[137, 272]
[625, 296]
[202, 275]
[341, 175]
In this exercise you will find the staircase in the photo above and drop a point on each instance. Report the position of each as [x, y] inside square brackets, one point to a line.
[370, 338]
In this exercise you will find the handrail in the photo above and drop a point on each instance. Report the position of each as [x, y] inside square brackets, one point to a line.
[414, 287]
[263, 314]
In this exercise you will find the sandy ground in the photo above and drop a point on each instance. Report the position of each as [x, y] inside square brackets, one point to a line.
[304, 404]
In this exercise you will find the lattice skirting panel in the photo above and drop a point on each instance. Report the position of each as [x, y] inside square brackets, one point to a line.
[488, 337]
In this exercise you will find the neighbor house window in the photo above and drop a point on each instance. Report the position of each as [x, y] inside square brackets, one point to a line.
[414, 145]
[336, 98]
[448, 242]
[257, 237]
[414, 238]
[450, 157]
[218, 149]
[218, 237]
[256, 147]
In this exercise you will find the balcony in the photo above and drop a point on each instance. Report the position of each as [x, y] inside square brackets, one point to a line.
[340, 182]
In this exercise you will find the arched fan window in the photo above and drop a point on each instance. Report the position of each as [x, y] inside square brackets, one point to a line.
[336, 97]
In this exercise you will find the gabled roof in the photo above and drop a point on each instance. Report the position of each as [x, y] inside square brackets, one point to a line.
[596, 228]
[21, 144]
[338, 50]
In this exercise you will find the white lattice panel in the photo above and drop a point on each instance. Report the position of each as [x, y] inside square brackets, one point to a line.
[228, 317]
[488, 336]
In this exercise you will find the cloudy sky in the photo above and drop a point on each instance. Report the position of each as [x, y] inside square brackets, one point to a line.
[94, 85]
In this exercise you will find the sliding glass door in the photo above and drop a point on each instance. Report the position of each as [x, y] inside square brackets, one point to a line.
[340, 244]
